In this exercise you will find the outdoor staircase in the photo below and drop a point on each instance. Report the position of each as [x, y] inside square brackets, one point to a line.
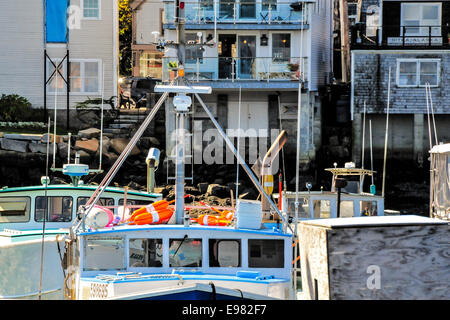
[126, 121]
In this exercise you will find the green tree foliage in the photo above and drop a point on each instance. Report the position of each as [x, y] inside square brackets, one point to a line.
[125, 35]
[14, 108]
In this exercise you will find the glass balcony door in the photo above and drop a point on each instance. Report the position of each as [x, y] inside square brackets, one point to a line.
[247, 54]
[227, 50]
[226, 9]
[247, 9]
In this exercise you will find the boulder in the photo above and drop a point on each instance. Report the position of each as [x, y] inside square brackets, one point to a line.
[89, 133]
[109, 158]
[203, 187]
[88, 118]
[23, 137]
[90, 146]
[63, 148]
[149, 142]
[13, 145]
[42, 148]
[52, 138]
[85, 158]
[218, 191]
[105, 146]
[119, 144]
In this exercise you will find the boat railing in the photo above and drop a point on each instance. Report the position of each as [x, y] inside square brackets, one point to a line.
[121, 276]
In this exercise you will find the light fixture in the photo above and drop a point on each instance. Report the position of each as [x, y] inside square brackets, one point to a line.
[264, 40]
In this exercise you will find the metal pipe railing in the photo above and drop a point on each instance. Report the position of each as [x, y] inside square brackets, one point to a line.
[400, 35]
[241, 68]
[239, 11]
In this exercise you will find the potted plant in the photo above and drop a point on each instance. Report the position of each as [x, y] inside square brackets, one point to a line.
[173, 67]
[294, 69]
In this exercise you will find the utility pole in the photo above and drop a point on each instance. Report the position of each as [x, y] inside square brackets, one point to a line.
[345, 49]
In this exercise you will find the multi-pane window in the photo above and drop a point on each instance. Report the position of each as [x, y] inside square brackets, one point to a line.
[84, 76]
[185, 252]
[145, 253]
[193, 52]
[281, 47]
[14, 209]
[150, 65]
[224, 252]
[417, 72]
[266, 4]
[56, 209]
[265, 253]
[91, 9]
[421, 18]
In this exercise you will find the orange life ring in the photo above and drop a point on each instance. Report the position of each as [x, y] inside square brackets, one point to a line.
[155, 206]
[153, 217]
[207, 220]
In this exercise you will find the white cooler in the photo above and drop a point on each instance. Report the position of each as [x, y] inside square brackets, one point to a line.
[249, 214]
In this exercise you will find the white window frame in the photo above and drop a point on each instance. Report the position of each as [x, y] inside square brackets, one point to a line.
[419, 7]
[418, 61]
[92, 18]
[291, 38]
[81, 61]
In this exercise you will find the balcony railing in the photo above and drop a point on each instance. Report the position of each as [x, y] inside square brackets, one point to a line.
[400, 36]
[238, 11]
[241, 69]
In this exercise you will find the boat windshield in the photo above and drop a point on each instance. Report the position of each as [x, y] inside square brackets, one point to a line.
[146, 253]
[224, 253]
[185, 252]
[14, 209]
[104, 253]
[265, 253]
[59, 209]
[103, 202]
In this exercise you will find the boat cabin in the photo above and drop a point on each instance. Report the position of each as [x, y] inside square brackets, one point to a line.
[24, 208]
[354, 202]
[170, 261]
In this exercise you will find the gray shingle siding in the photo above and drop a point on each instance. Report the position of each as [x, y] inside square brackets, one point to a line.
[370, 84]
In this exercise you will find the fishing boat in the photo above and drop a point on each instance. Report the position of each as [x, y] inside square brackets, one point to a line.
[31, 246]
[352, 199]
[228, 254]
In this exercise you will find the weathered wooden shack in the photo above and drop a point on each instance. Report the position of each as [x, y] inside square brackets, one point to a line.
[375, 258]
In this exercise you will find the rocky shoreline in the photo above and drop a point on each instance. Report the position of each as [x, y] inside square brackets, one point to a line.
[23, 163]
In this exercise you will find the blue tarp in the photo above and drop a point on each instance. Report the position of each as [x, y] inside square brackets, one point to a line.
[56, 16]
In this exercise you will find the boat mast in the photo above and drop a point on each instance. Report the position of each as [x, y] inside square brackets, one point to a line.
[386, 133]
[180, 118]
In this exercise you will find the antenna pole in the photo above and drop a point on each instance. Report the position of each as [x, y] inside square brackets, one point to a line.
[432, 114]
[45, 215]
[386, 133]
[54, 119]
[101, 119]
[371, 155]
[68, 148]
[238, 146]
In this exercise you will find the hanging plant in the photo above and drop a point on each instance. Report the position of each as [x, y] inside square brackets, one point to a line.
[172, 65]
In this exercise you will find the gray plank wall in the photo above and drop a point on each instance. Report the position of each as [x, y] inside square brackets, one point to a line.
[413, 261]
[314, 264]
[370, 76]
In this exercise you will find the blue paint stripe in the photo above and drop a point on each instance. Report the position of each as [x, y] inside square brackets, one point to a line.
[185, 277]
[86, 188]
[182, 227]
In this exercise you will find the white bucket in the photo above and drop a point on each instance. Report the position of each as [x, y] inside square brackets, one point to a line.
[99, 217]
[249, 214]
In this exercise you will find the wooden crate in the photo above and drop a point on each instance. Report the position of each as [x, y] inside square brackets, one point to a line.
[375, 258]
